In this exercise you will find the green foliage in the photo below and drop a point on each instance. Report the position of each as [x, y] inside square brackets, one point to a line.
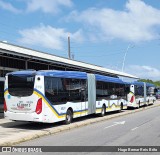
[156, 83]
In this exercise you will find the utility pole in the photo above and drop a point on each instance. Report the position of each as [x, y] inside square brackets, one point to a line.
[69, 49]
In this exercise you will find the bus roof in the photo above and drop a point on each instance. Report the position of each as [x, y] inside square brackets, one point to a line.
[25, 72]
[63, 74]
[150, 85]
[142, 84]
[55, 73]
[137, 83]
[67, 74]
[108, 79]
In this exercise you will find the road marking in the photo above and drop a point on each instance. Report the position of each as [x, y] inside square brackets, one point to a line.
[134, 128]
[142, 124]
[115, 123]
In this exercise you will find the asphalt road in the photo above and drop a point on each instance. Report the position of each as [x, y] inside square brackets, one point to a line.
[137, 129]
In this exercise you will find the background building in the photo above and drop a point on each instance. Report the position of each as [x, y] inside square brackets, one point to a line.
[14, 58]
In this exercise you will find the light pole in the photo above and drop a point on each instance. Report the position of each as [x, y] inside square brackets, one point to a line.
[124, 58]
[69, 48]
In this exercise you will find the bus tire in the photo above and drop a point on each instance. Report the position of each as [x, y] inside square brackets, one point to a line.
[121, 106]
[103, 111]
[139, 104]
[69, 116]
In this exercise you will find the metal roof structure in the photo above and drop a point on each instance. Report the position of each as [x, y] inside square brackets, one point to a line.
[49, 58]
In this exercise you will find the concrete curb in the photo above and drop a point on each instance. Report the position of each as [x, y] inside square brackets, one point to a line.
[55, 130]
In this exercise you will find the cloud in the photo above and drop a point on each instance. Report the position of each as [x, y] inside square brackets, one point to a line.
[137, 22]
[9, 7]
[47, 6]
[48, 37]
[146, 72]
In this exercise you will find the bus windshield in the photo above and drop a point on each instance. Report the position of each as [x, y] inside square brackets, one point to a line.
[20, 85]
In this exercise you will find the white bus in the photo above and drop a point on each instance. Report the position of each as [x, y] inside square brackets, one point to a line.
[141, 94]
[53, 96]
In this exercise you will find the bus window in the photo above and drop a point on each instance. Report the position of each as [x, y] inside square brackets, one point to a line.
[119, 90]
[127, 89]
[99, 90]
[19, 85]
[76, 88]
[111, 88]
[139, 90]
[55, 91]
[61, 90]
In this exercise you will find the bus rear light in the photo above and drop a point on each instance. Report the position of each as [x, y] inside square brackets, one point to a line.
[39, 106]
[132, 99]
[5, 106]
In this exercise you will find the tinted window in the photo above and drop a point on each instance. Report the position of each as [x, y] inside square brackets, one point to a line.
[119, 89]
[21, 85]
[111, 88]
[99, 90]
[106, 89]
[150, 90]
[61, 90]
[55, 90]
[139, 90]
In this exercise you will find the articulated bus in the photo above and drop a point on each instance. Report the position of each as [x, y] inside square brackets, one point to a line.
[141, 94]
[53, 96]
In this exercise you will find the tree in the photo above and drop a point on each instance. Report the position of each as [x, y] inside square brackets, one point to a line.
[156, 83]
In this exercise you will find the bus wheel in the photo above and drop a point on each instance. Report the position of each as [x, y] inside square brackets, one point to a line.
[103, 111]
[138, 104]
[69, 117]
[121, 106]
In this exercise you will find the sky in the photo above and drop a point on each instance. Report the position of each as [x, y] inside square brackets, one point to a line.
[107, 33]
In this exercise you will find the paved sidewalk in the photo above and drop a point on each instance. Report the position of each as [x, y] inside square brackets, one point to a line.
[12, 133]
